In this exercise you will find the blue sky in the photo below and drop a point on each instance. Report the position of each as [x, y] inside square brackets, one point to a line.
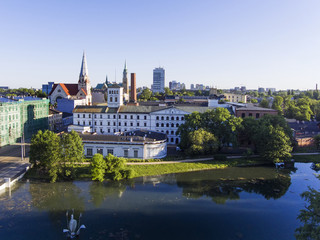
[274, 43]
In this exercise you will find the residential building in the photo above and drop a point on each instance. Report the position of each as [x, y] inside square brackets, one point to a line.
[22, 116]
[252, 111]
[233, 97]
[158, 80]
[55, 120]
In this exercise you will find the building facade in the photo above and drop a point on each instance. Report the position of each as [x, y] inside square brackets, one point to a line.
[158, 80]
[134, 144]
[22, 116]
[232, 97]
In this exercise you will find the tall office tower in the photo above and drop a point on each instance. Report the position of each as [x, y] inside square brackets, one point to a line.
[158, 80]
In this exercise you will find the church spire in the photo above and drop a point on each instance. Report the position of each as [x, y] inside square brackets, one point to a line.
[84, 68]
[125, 65]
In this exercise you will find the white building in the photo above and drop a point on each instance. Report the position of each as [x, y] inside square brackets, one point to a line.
[117, 118]
[135, 144]
[158, 80]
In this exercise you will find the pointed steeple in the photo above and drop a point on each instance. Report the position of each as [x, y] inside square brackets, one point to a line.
[125, 79]
[84, 68]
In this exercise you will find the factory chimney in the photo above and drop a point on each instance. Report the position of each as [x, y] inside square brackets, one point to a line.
[133, 91]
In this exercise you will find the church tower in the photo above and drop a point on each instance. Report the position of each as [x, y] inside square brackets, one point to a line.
[125, 83]
[84, 82]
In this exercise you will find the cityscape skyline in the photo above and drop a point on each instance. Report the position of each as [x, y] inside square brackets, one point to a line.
[222, 44]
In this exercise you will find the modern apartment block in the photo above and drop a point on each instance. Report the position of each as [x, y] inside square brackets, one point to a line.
[158, 80]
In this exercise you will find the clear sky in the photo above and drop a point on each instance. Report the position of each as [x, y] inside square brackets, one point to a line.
[273, 43]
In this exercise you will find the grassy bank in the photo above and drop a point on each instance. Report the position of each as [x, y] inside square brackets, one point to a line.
[159, 169]
[307, 158]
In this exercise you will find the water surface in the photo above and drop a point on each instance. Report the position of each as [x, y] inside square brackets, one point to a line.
[234, 203]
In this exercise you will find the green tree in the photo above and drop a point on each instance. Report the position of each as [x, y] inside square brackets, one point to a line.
[167, 91]
[264, 103]
[202, 142]
[116, 168]
[45, 152]
[98, 167]
[277, 104]
[146, 94]
[253, 100]
[316, 140]
[310, 217]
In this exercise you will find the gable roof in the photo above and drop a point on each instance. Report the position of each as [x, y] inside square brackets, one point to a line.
[68, 88]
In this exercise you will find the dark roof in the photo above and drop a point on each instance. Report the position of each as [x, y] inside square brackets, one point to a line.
[140, 109]
[114, 86]
[137, 136]
[69, 88]
[305, 126]
[254, 108]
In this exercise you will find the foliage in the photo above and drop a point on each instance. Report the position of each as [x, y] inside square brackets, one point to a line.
[55, 156]
[202, 142]
[264, 103]
[98, 167]
[45, 152]
[218, 121]
[253, 100]
[310, 216]
[316, 140]
[277, 104]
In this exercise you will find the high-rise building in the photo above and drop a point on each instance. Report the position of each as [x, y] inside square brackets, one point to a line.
[158, 80]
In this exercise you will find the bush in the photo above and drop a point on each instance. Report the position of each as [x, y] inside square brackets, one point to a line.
[98, 169]
[220, 157]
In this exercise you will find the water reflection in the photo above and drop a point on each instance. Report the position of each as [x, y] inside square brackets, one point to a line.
[225, 185]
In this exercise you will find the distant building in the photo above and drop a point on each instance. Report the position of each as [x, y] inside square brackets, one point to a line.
[261, 90]
[4, 88]
[272, 90]
[46, 88]
[22, 116]
[253, 111]
[243, 89]
[55, 120]
[232, 97]
[192, 87]
[158, 80]
[176, 85]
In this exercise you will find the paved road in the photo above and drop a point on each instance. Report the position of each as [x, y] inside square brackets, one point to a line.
[11, 163]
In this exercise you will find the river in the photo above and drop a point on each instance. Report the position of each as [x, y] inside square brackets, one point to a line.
[234, 203]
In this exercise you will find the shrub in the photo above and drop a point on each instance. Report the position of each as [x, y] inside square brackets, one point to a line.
[98, 167]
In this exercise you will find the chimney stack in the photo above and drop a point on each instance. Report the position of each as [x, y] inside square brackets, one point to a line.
[133, 92]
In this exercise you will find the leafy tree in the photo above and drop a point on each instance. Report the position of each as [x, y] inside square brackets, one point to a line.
[98, 167]
[274, 144]
[277, 104]
[116, 168]
[310, 217]
[202, 142]
[264, 103]
[253, 100]
[167, 91]
[45, 152]
[146, 94]
[40, 94]
[316, 140]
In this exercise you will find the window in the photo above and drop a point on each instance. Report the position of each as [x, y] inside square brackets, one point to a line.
[108, 123]
[110, 151]
[119, 123]
[89, 151]
[167, 132]
[157, 124]
[100, 115]
[162, 125]
[108, 116]
[100, 150]
[145, 124]
[89, 122]
[131, 124]
[89, 115]
[108, 130]
[172, 125]
[250, 114]
[114, 123]
[100, 123]
[114, 130]
[138, 117]
[84, 123]
[84, 115]
[177, 118]
[78, 122]
[145, 117]
[167, 124]
[95, 123]
[182, 118]
[257, 115]
[162, 118]
[114, 116]
[172, 132]
[172, 118]
[95, 115]
[131, 117]
[172, 139]
[116, 99]
[138, 124]
[78, 115]
[101, 130]
[110, 99]
[125, 153]
[125, 116]
[167, 118]
[177, 125]
[243, 115]
[157, 117]
[125, 123]
[135, 153]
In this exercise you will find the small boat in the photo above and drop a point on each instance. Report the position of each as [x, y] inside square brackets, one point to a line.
[71, 229]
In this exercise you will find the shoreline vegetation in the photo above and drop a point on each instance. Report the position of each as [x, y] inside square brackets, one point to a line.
[83, 171]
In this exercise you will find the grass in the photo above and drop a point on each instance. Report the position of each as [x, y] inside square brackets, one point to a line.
[307, 158]
[159, 169]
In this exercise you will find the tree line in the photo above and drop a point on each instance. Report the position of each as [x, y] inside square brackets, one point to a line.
[213, 130]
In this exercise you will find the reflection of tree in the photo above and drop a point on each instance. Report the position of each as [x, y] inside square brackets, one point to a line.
[310, 217]
[221, 190]
[100, 191]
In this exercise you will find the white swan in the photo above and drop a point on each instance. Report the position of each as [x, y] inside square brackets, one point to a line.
[72, 226]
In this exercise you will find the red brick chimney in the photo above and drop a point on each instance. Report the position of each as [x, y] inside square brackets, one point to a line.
[133, 91]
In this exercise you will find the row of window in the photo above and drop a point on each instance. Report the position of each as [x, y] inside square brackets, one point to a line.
[114, 124]
[110, 151]
[167, 125]
[114, 116]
